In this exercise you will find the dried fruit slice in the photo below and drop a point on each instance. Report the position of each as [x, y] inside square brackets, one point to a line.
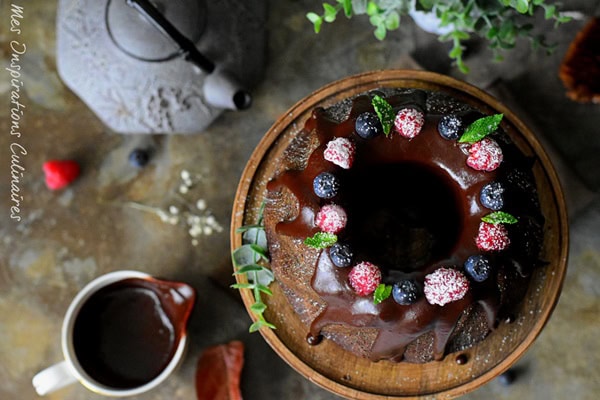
[218, 372]
[580, 68]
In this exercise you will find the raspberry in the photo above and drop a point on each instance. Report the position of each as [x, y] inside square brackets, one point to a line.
[409, 122]
[485, 155]
[445, 285]
[340, 151]
[492, 237]
[60, 173]
[364, 278]
[331, 218]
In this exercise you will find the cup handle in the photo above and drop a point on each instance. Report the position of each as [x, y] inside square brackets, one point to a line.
[53, 378]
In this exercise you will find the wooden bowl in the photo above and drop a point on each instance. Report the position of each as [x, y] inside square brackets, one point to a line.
[347, 375]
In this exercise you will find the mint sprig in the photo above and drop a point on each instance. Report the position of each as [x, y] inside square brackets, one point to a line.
[481, 128]
[247, 260]
[321, 240]
[381, 293]
[384, 112]
[499, 217]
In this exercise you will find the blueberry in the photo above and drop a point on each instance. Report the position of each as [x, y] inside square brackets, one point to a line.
[451, 126]
[508, 377]
[368, 125]
[139, 158]
[326, 185]
[405, 292]
[478, 267]
[341, 255]
[492, 196]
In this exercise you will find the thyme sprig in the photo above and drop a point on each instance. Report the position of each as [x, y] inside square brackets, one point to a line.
[500, 22]
[249, 259]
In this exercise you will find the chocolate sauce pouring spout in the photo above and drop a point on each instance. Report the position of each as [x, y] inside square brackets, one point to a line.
[220, 88]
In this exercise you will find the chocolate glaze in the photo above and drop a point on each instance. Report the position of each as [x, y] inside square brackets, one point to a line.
[432, 223]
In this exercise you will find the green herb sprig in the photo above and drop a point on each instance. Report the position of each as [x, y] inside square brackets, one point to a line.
[321, 240]
[481, 128]
[500, 22]
[500, 217]
[247, 260]
[381, 293]
[384, 112]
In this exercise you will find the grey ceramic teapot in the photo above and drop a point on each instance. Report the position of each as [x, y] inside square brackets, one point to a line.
[158, 66]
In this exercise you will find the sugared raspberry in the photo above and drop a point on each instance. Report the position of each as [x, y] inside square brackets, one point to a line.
[492, 237]
[445, 285]
[364, 278]
[485, 155]
[408, 122]
[331, 218]
[340, 151]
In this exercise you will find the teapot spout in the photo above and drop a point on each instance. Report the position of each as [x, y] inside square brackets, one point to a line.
[222, 90]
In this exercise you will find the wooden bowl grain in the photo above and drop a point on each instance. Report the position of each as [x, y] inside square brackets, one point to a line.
[347, 375]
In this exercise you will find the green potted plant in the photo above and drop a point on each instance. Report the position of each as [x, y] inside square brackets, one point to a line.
[499, 22]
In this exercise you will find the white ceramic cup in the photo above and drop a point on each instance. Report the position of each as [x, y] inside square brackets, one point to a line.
[70, 370]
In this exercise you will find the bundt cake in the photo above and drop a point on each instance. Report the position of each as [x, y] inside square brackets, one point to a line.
[403, 224]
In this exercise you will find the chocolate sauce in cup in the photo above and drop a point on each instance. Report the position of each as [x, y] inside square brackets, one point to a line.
[122, 335]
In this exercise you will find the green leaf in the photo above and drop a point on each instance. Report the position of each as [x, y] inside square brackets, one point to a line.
[330, 12]
[372, 8]
[385, 113]
[321, 240]
[265, 290]
[381, 293]
[392, 21]
[380, 32]
[261, 323]
[347, 5]
[522, 6]
[248, 268]
[258, 308]
[242, 286]
[499, 217]
[550, 12]
[481, 128]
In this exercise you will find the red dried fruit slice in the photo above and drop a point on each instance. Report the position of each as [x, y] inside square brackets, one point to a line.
[218, 372]
[580, 68]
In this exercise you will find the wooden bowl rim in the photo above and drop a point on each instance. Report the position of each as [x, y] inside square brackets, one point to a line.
[374, 79]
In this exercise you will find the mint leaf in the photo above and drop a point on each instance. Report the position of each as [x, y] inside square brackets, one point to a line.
[499, 217]
[381, 293]
[385, 113]
[481, 128]
[321, 240]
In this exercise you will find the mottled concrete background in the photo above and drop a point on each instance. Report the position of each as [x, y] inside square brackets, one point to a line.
[110, 217]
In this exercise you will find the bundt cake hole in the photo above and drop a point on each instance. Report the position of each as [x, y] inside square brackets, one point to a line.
[404, 216]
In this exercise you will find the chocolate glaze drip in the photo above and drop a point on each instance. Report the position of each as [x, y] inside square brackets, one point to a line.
[431, 224]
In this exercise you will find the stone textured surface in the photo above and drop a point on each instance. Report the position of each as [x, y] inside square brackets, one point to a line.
[110, 217]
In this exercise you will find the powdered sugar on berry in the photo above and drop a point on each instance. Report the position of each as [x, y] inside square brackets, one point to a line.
[445, 285]
[331, 218]
[364, 278]
[492, 237]
[408, 122]
[340, 151]
[485, 155]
